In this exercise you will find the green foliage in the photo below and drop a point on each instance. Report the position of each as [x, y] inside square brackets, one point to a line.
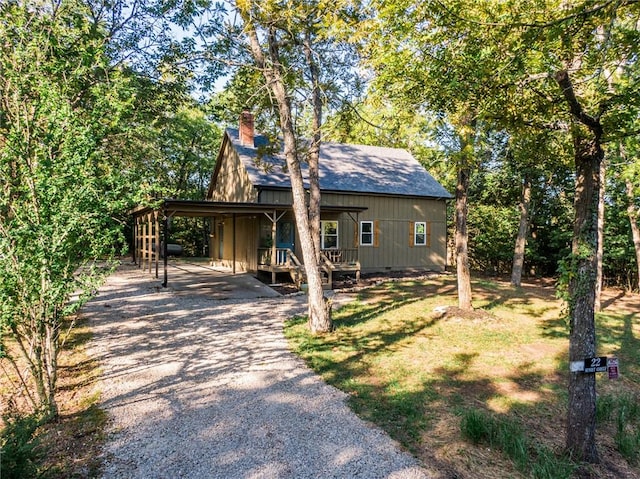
[492, 233]
[475, 426]
[509, 436]
[187, 143]
[628, 443]
[18, 447]
[620, 258]
[624, 411]
[62, 192]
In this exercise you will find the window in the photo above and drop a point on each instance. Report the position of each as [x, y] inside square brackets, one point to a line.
[420, 233]
[366, 233]
[328, 234]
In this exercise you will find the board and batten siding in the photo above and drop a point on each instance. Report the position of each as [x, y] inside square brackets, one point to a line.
[393, 217]
[232, 182]
[282, 197]
[246, 237]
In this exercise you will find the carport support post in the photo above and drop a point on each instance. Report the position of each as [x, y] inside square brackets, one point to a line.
[165, 248]
[149, 238]
[156, 224]
[273, 247]
[234, 243]
[134, 245]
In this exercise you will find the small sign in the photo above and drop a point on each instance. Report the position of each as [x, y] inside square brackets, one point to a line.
[576, 366]
[595, 365]
[612, 367]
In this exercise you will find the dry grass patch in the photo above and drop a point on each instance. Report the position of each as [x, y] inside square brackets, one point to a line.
[414, 364]
[70, 446]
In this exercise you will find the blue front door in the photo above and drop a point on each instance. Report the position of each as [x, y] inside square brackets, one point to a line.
[285, 235]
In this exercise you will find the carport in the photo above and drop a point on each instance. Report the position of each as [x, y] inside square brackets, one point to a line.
[194, 279]
[151, 225]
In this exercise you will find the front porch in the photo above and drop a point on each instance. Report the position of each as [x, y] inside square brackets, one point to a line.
[238, 246]
[333, 261]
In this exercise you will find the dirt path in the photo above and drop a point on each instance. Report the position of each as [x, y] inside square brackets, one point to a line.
[204, 388]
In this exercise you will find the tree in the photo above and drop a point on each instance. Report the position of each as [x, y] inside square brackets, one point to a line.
[632, 212]
[523, 227]
[591, 103]
[268, 60]
[555, 65]
[630, 173]
[540, 162]
[422, 62]
[464, 160]
[292, 47]
[75, 138]
[60, 101]
[600, 250]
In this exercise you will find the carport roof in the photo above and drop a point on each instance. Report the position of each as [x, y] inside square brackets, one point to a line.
[220, 208]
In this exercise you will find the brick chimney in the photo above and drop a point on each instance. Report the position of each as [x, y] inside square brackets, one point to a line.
[246, 128]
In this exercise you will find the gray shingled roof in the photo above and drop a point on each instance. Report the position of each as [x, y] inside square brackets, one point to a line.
[349, 168]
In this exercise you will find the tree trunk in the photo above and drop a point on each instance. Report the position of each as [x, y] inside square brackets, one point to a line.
[314, 148]
[319, 317]
[521, 239]
[462, 239]
[632, 212]
[581, 420]
[600, 253]
[318, 323]
[467, 128]
[581, 424]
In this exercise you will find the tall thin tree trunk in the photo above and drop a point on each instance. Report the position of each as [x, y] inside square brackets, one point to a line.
[463, 273]
[521, 239]
[319, 318]
[600, 252]
[632, 212]
[588, 155]
[317, 323]
[462, 239]
[581, 424]
[314, 149]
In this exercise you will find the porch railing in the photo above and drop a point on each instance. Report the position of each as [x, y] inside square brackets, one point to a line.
[342, 255]
[282, 258]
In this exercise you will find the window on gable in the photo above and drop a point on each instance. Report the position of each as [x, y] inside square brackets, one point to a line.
[328, 234]
[366, 233]
[420, 233]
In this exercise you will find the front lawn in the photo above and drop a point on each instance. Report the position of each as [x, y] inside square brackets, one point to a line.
[421, 374]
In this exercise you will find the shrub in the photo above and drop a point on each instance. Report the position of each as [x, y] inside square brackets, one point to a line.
[18, 443]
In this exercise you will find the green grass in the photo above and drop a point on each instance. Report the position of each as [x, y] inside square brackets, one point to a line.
[415, 372]
[508, 435]
[622, 412]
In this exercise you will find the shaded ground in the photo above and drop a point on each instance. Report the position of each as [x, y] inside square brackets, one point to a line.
[199, 387]
[349, 283]
[413, 363]
[75, 439]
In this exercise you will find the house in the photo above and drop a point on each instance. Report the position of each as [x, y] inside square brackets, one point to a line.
[380, 209]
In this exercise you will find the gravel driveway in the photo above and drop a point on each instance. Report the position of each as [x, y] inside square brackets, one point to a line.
[206, 388]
